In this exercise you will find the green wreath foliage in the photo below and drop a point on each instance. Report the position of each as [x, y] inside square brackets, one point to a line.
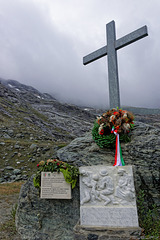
[112, 118]
[107, 141]
[70, 172]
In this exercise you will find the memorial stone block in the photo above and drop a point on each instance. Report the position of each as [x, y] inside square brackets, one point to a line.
[54, 186]
[107, 197]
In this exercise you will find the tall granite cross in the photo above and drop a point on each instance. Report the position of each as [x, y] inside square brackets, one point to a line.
[111, 51]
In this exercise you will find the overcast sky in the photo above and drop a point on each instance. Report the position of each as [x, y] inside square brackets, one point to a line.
[43, 42]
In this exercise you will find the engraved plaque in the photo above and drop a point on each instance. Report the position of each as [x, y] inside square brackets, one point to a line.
[54, 186]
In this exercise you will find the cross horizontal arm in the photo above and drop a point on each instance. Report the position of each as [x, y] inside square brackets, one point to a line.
[121, 42]
[95, 55]
[131, 37]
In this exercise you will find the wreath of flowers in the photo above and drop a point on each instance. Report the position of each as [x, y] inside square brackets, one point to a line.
[70, 172]
[117, 119]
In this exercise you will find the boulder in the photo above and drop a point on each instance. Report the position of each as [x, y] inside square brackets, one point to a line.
[54, 219]
[45, 219]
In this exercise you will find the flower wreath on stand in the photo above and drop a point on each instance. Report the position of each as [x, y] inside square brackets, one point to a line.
[112, 127]
[70, 172]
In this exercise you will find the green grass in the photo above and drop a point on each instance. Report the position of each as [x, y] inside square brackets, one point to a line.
[8, 227]
[10, 188]
[149, 218]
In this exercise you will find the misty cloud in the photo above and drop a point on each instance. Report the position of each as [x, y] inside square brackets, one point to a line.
[42, 44]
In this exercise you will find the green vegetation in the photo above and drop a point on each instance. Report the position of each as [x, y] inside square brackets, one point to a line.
[13, 211]
[107, 141]
[8, 229]
[149, 219]
[70, 172]
[7, 191]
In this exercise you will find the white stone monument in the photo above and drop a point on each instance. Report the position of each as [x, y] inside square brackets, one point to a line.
[107, 197]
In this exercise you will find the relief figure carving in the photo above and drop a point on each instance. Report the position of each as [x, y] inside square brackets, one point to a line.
[91, 181]
[100, 187]
[125, 187]
[105, 186]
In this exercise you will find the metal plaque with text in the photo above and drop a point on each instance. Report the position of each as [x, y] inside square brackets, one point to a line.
[54, 186]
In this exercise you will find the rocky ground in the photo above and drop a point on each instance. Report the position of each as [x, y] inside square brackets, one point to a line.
[33, 127]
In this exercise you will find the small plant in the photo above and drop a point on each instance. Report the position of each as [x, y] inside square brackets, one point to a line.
[148, 219]
[13, 211]
[70, 172]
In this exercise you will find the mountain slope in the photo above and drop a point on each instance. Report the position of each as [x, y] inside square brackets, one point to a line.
[33, 126]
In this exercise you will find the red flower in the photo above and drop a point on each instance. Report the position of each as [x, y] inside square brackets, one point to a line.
[37, 165]
[101, 132]
[58, 164]
[115, 113]
[55, 160]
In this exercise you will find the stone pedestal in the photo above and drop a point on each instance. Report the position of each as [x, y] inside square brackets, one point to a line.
[104, 233]
[107, 197]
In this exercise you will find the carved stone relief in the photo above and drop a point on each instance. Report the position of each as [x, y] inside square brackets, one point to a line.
[107, 186]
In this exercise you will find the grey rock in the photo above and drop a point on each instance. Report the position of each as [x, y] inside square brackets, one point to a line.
[1, 180]
[44, 150]
[18, 178]
[33, 146]
[25, 177]
[10, 132]
[103, 233]
[6, 136]
[9, 168]
[19, 135]
[13, 177]
[28, 119]
[16, 171]
[46, 219]
[43, 216]
[16, 146]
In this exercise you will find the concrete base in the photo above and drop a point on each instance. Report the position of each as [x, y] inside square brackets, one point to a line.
[105, 233]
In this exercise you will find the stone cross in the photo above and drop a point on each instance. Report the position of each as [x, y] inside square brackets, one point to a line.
[111, 51]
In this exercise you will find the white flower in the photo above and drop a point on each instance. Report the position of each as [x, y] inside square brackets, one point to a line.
[112, 118]
[126, 127]
[124, 115]
[100, 127]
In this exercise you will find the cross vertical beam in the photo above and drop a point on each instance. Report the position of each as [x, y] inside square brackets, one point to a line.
[114, 95]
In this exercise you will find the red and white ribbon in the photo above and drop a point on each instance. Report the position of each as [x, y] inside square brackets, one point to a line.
[118, 154]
